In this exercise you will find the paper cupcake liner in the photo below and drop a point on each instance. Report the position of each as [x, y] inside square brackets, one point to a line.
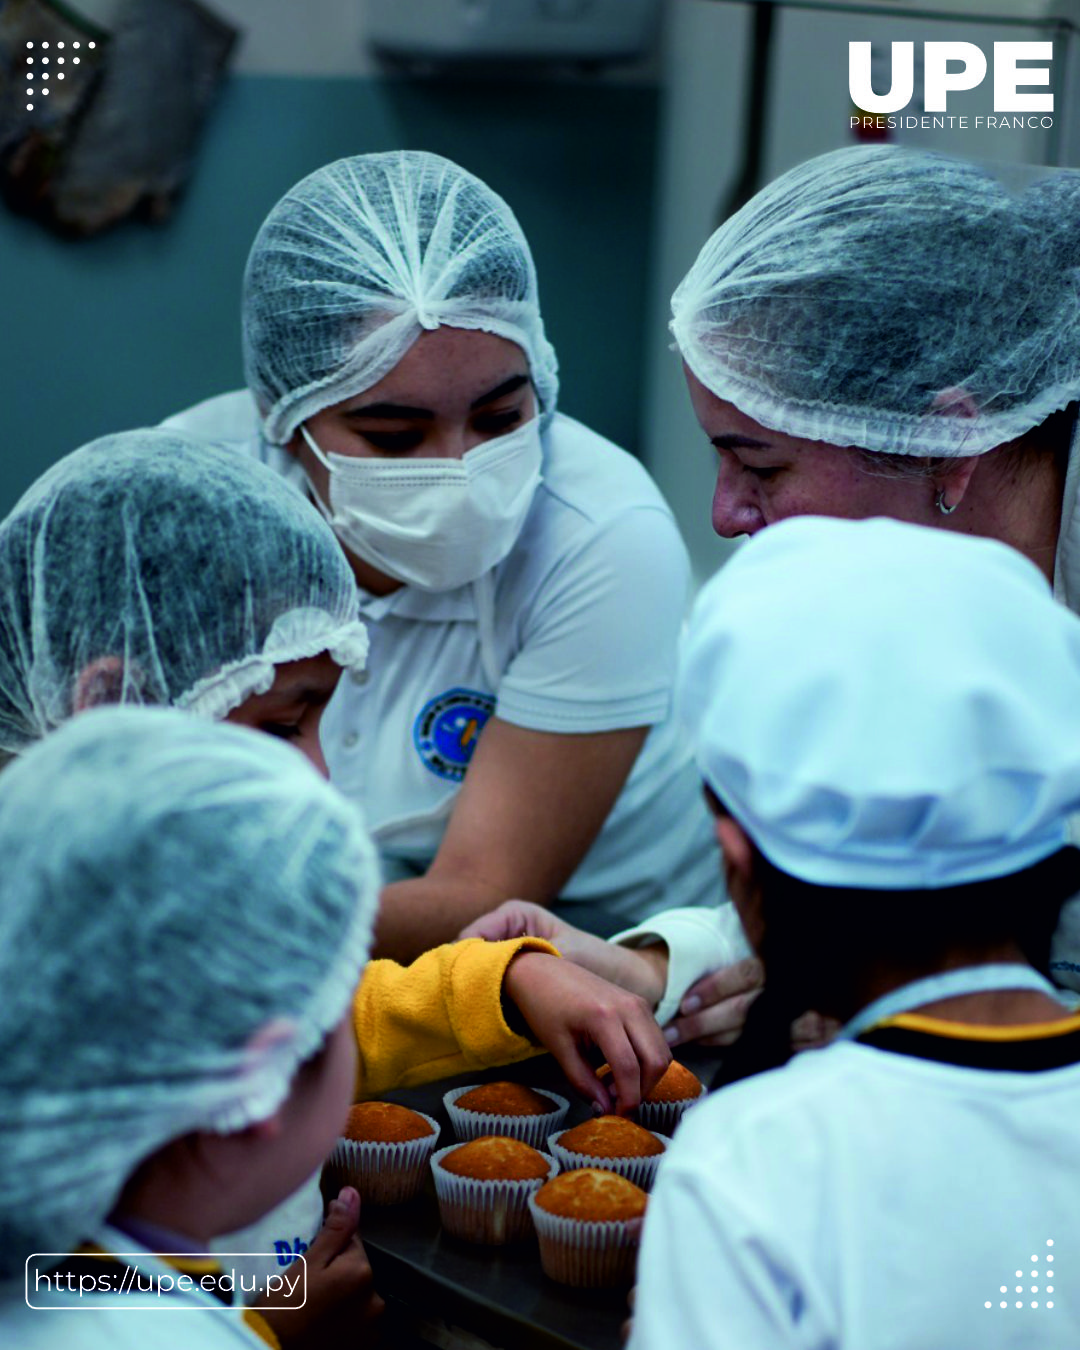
[599, 1255]
[529, 1129]
[492, 1212]
[384, 1174]
[662, 1117]
[640, 1171]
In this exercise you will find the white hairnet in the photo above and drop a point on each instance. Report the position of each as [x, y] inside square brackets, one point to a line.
[886, 706]
[359, 259]
[169, 889]
[162, 569]
[864, 294]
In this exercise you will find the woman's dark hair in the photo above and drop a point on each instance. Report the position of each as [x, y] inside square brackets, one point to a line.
[818, 938]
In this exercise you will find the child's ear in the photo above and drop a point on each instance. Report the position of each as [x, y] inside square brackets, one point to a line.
[740, 876]
[737, 850]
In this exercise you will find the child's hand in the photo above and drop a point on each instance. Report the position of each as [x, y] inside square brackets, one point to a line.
[568, 1009]
[342, 1305]
[627, 1328]
[811, 1031]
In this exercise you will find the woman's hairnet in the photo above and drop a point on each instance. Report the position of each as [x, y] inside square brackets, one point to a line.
[359, 259]
[890, 299]
[152, 567]
[170, 889]
[886, 706]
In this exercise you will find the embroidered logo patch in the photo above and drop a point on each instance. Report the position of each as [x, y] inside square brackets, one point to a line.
[447, 729]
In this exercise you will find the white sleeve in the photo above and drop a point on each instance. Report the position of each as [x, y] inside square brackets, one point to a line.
[600, 643]
[233, 420]
[712, 1277]
[225, 417]
[698, 940]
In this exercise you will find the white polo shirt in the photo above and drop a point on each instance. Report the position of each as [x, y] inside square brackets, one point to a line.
[576, 631]
[869, 1199]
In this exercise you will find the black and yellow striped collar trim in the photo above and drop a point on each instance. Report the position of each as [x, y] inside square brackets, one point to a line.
[977, 1031]
[1027, 1047]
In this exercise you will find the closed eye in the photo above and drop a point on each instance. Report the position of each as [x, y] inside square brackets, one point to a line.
[393, 442]
[738, 445]
[763, 472]
[494, 423]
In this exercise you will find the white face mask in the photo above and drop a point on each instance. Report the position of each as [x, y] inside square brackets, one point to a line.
[434, 523]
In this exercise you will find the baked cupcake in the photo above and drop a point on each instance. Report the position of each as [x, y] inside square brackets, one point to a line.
[483, 1187]
[662, 1108]
[383, 1152]
[510, 1109]
[612, 1143]
[588, 1222]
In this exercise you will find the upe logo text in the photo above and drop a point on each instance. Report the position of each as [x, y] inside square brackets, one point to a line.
[968, 72]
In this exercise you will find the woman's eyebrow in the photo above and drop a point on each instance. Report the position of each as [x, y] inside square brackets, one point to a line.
[392, 410]
[510, 386]
[739, 443]
[389, 410]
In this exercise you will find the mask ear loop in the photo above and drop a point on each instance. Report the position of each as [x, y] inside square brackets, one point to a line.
[314, 448]
[324, 507]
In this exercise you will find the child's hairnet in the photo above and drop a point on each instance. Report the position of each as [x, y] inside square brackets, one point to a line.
[359, 259]
[170, 890]
[894, 300]
[886, 706]
[153, 567]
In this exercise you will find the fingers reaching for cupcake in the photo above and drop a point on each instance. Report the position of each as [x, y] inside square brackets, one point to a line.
[572, 1013]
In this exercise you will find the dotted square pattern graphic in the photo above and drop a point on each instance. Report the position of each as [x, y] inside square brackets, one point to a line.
[1043, 1272]
[49, 62]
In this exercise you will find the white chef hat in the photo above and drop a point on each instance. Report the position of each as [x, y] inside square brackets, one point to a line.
[886, 706]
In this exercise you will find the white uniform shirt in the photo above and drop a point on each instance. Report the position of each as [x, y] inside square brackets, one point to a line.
[574, 632]
[860, 1199]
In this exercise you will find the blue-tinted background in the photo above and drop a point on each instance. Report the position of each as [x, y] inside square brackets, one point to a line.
[122, 330]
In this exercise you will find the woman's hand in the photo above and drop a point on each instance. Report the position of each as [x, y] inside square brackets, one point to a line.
[520, 918]
[341, 1304]
[569, 1009]
[642, 971]
[714, 1009]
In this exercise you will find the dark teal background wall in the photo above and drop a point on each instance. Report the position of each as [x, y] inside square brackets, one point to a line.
[122, 330]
